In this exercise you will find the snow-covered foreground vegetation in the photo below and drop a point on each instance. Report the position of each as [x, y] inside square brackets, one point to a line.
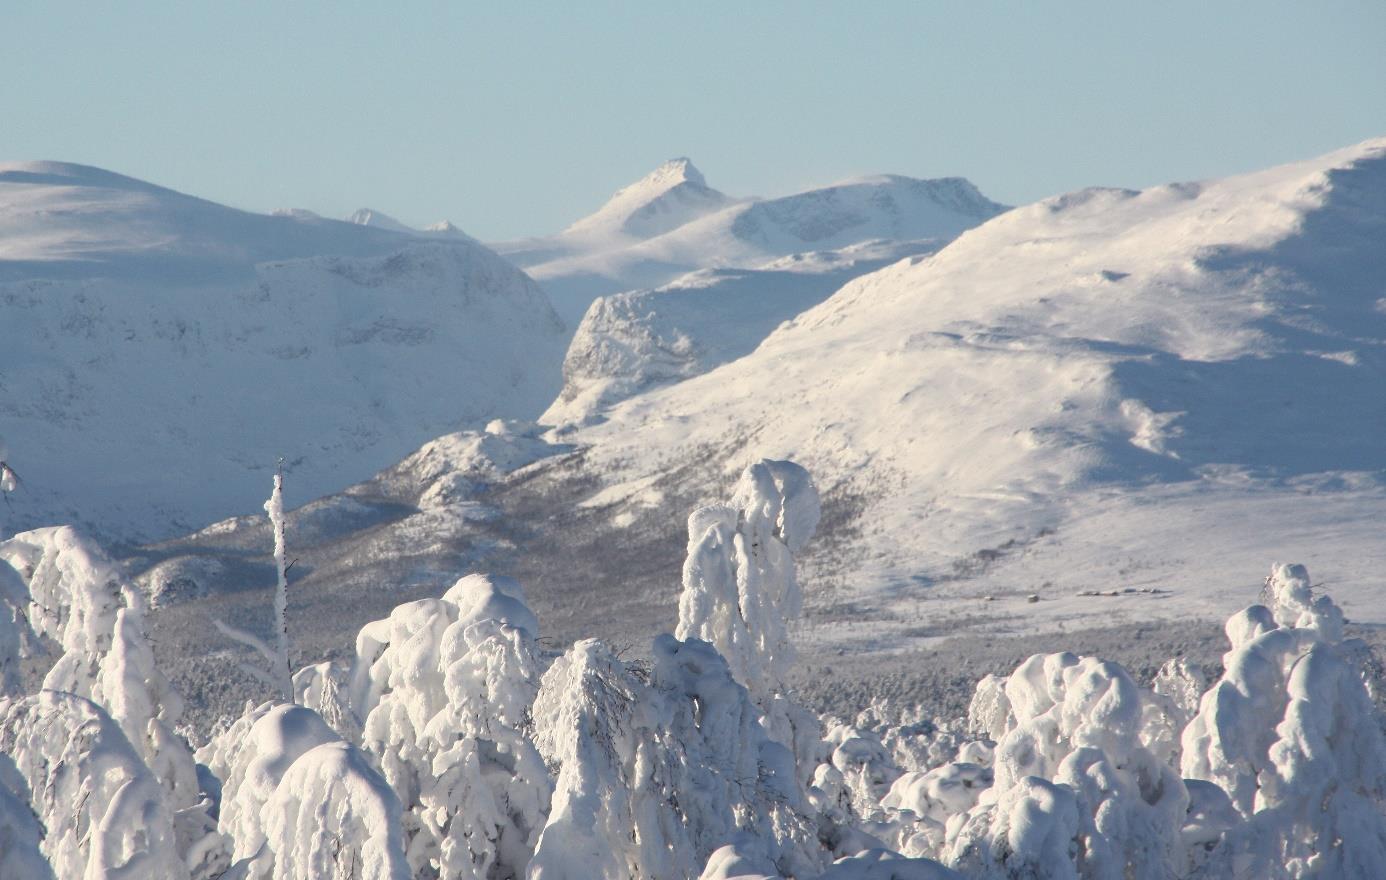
[453, 746]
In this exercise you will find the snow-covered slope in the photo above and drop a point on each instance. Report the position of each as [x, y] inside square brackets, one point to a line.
[673, 194]
[632, 342]
[670, 223]
[1111, 389]
[158, 352]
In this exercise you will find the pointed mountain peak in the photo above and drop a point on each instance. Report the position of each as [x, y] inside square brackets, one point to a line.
[672, 173]
[669, 196]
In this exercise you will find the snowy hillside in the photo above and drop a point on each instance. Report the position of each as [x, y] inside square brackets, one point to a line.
[160, 351]
[1109, 390]
[632, 342]
[670, 223]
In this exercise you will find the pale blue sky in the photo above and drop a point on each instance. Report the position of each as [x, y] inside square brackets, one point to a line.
[513, 119]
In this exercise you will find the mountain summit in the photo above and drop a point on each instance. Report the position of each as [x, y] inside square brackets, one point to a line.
[666, 198]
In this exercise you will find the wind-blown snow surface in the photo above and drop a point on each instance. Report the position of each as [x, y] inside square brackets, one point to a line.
[671, 222]
[1106, 390]
[159, 352]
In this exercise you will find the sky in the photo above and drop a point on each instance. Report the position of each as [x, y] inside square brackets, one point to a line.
[514, 119]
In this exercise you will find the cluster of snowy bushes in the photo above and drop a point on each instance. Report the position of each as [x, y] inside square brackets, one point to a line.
[449, 748]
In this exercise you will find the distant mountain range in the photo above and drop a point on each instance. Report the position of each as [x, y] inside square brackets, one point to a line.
[671, 222]
[158, 352]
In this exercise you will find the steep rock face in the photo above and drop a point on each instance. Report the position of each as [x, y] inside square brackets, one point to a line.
[160, 352]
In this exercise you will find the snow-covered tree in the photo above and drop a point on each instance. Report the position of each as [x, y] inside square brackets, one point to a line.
[333, 817]
[739, 588]
[297, 801]
[857, 773]
[250, 758]
[84, 603]
[1290, 733]
[21, 836]
[920, 803]
[322, 687]
[277, 673]
[653, 777]
[443, 688]
[104, 815]
[741, 595]
[1081, 787]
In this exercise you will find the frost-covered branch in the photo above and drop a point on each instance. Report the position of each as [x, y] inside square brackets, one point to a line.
[252, 641]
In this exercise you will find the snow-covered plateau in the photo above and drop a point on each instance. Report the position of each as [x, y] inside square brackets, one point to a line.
[873, 532]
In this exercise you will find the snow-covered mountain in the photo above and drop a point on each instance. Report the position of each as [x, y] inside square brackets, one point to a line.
[671, 222]
[673, 194]
[1102, 409]
[632, 342]
[158, 352]
[1108, 390]
[380, 220]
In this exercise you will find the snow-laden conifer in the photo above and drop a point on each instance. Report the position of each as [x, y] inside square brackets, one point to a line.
[1080, 767]
[79, 599]
[104, 815]
[443, 688]
[654, 776]
[1290, 734]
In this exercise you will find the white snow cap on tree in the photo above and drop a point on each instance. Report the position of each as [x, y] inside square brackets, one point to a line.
[251, 758]
[333, 818]
[1079, 771]
[81, 600]
[299, 802]
[653, 778]
[739, 589]
[104, 815]
[444, 688]
[1290, 733]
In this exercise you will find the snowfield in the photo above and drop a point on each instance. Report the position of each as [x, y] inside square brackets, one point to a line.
[160, 351]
